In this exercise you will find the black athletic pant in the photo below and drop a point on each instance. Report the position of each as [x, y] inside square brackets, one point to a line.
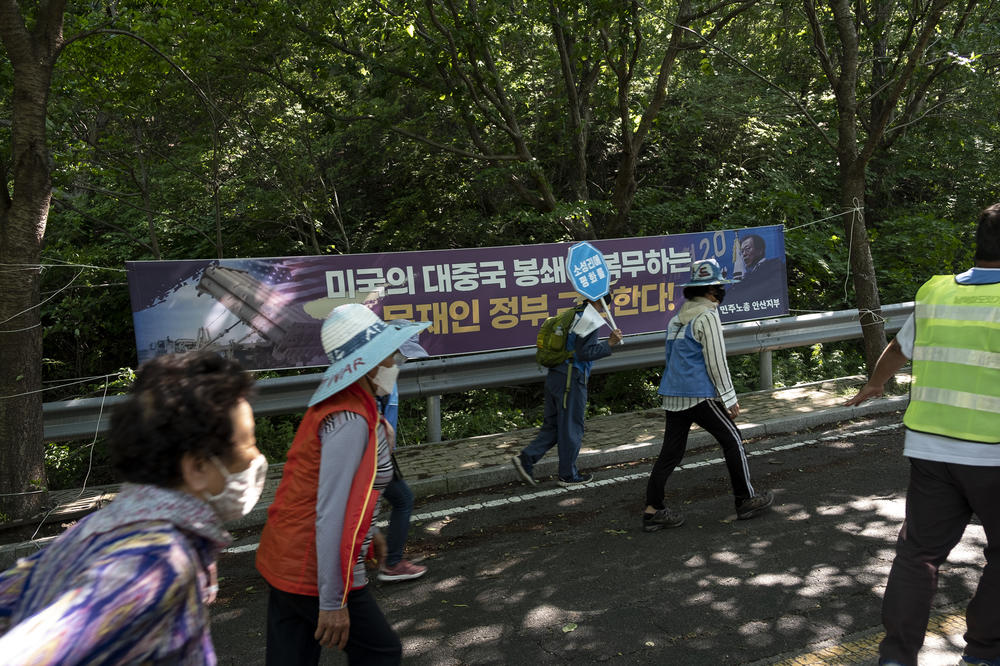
[713, 418]
[291, 629]
[940, 501]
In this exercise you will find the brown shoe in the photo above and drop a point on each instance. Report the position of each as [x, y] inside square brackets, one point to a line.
[661, 519]
[754, 506]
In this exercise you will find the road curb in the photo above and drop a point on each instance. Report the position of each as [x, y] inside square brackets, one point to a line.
[465, 480]
[494, 475]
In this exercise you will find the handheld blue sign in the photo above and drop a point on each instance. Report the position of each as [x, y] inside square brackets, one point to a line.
[588, 273]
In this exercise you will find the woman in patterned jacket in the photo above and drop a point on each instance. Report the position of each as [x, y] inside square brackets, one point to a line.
[130, 583]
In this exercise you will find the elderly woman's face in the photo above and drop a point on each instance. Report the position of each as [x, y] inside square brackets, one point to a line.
[244, 443]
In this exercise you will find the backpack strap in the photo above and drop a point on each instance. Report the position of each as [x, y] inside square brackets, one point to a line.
[569, 375]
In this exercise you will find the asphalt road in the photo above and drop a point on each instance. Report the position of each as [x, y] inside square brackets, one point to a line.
[559, 577]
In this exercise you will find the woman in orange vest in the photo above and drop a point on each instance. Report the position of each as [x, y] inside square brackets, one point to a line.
[319, 528]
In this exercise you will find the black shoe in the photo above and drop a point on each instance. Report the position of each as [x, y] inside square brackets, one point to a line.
[754, 506]
[661, 519]
[578, 481]
[525, 474]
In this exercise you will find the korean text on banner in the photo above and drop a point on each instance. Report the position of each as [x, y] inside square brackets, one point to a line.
[267, 312]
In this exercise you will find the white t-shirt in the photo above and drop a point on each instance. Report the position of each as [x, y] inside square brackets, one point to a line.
[926, 446]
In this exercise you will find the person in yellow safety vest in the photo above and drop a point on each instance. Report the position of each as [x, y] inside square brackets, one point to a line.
[953, 443]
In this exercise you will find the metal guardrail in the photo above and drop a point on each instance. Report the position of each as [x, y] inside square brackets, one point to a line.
[80, 419]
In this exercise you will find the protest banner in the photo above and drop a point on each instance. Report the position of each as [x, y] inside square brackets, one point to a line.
[267, 312]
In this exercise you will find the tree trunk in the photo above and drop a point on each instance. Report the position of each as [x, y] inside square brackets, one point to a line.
[853, 166]
[852, 198]
[142, 180]
[578, 85]
[22, 228]
[22, 451]
[624, 192]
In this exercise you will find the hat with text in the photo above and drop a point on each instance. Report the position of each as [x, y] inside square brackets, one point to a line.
[356, 340]
[706, 272]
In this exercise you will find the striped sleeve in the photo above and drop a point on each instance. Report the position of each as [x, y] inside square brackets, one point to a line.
[707, 329]
[343, 437]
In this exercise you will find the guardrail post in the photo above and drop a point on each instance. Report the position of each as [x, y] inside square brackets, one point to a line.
[766, 376]
[433, 418]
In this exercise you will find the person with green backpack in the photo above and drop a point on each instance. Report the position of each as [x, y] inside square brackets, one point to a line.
[569, 358]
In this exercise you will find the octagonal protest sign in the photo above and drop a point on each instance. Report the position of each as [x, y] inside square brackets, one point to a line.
[587, 271]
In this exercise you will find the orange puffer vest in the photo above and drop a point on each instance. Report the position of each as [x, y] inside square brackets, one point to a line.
[286, 556]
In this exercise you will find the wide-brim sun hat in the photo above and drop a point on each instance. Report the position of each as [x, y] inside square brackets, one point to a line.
[706, 272]
[411, 347]
[356, 340]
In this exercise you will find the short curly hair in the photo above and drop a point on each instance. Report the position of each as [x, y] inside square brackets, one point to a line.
[179, 403]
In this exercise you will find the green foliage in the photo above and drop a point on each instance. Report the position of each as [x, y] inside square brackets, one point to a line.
[626, 391]
[482, 411]
[275, 435]
[797, 366]
[914, 246]
[76, 464]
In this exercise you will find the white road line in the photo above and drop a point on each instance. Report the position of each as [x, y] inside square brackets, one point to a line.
[539, 494]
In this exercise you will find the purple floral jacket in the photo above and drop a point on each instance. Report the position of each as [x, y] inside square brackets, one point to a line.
[127, 584]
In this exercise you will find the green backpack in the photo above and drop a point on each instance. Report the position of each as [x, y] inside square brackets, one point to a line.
[552, 336]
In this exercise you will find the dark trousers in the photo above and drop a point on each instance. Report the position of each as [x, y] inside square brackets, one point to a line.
[400, 498]
[713, 418]
[291, 629]
[940, 500]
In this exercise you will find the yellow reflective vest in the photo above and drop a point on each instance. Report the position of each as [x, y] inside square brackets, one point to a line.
[956, 361]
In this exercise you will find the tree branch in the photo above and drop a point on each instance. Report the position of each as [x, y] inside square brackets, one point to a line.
[154, 49]
[455, 151]
[742, 65]
[100, 222]
[819, 42]
[913, 59]
[472, 88]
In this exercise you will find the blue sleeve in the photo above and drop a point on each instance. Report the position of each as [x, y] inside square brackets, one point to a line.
[390, 406]
[591, 347]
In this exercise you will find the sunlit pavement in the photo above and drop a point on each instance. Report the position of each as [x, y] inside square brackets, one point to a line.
[481, 462]
[810, 581]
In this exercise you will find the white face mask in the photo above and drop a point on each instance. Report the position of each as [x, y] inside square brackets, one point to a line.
[385, 379]
[242, 489]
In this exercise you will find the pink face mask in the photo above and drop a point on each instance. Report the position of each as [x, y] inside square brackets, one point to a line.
[242, 489]
[385, 379]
